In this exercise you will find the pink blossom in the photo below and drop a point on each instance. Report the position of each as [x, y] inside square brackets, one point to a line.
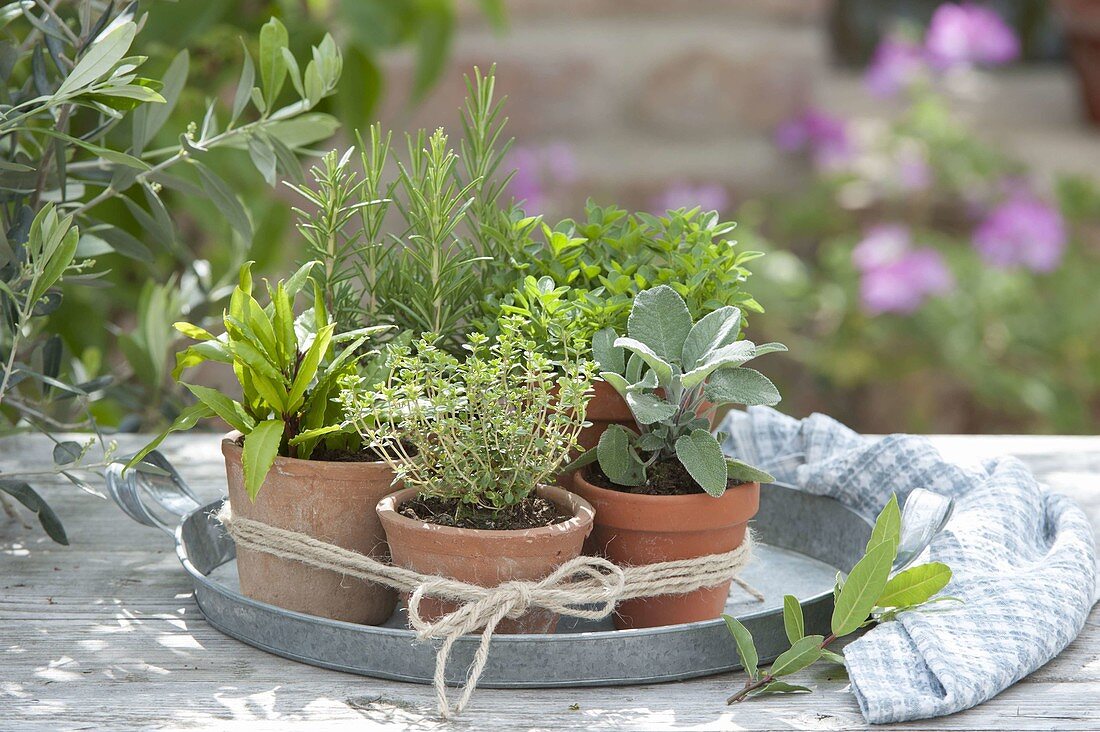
[681, 194]
[822, 135]
[1022, 231]
[898, 63]
[895, 277]
[913, 171]
[538, 171]
[968, 34]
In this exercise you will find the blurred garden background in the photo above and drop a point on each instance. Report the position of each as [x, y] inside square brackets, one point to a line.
[921, 175]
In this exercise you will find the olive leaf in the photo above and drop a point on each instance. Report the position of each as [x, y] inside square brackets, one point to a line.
[67, 452]
[26, 495]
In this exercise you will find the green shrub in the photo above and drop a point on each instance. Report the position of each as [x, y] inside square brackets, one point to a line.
[486, 430]
[610, 256]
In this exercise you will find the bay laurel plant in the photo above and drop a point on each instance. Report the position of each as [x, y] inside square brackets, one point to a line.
[288, 368]
[485, 430]
[869, 595]
[677, 374]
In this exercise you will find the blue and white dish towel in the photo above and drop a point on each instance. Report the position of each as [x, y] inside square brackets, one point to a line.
[1022, 557]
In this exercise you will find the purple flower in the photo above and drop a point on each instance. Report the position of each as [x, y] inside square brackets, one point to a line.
[913, 172]
[681, 194]
[538, 171]
[1022, 231]
[894, 277]
[898, 62]
[882, 244]
[969, 34]
[825, 137]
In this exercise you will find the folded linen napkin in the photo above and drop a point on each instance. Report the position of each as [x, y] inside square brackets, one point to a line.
[1022, 558]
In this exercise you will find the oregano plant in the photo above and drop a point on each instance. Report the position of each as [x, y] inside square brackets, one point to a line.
[868, 596]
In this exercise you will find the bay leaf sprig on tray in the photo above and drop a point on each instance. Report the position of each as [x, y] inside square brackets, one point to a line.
[869, 595]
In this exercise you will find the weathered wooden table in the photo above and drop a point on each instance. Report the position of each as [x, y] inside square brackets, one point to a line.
[103, 634]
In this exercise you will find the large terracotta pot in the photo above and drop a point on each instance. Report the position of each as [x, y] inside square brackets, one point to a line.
[633, 530]
[487, 558]
[330, 501]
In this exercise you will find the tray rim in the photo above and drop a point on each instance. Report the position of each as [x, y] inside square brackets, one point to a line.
[221, 589]
[223, 607]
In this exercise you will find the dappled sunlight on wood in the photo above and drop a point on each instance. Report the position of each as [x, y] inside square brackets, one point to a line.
[108, 637]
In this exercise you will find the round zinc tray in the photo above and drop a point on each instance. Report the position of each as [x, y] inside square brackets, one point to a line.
[803, 540]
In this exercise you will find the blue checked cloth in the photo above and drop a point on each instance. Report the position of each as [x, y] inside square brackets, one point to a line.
[1022, 557]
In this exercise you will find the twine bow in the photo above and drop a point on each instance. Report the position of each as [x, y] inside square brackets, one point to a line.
[585, 587]
[593, 581]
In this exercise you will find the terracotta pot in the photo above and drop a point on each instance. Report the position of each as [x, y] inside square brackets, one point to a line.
[605, 408]
[633, 530]
[487, 558]
[330, 501]
[1081, 21]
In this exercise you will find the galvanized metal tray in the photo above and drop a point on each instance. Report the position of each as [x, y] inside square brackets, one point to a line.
[803, 540]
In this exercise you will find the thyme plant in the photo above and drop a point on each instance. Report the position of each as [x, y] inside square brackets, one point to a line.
[485, 430]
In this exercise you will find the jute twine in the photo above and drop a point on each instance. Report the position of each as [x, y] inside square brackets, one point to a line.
[585, 587]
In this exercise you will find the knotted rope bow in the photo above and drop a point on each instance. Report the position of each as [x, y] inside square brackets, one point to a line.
[585, 587]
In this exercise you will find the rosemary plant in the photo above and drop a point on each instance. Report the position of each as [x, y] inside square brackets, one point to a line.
[338, 248]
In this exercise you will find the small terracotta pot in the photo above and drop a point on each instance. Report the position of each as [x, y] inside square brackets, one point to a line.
[330, 501]
[605, 408]
[487, 558]
[633, 530]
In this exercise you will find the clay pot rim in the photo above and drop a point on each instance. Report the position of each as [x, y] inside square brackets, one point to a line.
[643, 498]
[583, 515]
[297, 465]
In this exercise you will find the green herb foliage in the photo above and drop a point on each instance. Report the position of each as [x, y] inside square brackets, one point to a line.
[288, 368]
[610, 256]
[336, 198]
[866, 597]
[678, 372]
[79, 116]
[432, 277]
[487, 429]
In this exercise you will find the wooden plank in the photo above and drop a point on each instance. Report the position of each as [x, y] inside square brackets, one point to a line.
[104, 635]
